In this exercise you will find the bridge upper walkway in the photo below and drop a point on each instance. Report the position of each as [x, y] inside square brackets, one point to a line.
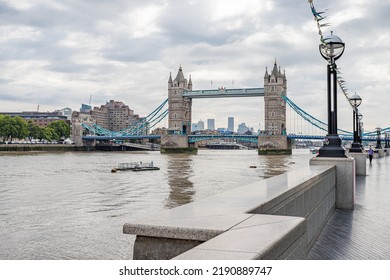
[224, 92]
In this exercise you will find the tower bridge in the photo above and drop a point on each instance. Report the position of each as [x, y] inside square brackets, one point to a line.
[180, 138]
[180, 95]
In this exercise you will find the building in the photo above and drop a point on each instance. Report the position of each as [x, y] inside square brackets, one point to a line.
[200, 125]
[197, 126]
[85, 109]
[194, 127]
[211, 124]
[275, 87]
[115, 116]
[67, 112]
[230, 124]
[242, 128]
[41, 119]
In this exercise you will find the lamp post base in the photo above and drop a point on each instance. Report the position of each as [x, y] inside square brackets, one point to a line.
[355, 148]
[332, 147]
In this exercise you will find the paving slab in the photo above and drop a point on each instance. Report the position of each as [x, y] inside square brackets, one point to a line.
[363, 233]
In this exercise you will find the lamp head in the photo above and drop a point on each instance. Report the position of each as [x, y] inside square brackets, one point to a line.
[332, 47]
[355, 100]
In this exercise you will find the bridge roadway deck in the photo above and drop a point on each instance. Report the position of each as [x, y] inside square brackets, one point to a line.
[364, 233]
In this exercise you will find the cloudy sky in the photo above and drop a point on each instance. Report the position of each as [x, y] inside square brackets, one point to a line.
[59, 53]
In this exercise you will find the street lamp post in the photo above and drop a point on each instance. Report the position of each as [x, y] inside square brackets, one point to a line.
[355, 102]
[360, 117]
[331, 49]
[378, 138]
[387, 139]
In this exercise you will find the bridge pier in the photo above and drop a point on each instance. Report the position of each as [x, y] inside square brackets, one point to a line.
[274, 145]
[174, 144]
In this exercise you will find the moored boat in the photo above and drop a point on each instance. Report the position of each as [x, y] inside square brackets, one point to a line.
[135, 166]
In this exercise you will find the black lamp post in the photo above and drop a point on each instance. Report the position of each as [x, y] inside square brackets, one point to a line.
[387, 139]
[360, 117]
[378, 138]
[331, 49]
[355, 101]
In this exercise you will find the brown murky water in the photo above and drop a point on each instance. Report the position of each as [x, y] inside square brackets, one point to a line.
[70, 205]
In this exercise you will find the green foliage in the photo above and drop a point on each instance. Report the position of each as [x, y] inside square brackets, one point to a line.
[35, 132]
[17, 128]
[13, 127]
[50, 134]
[61, 129]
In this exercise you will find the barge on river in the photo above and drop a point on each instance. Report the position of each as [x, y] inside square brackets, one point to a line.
[135, 166]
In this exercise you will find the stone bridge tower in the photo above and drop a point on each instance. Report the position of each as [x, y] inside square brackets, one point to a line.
[179, 120]
[274, 139]
[275, 86]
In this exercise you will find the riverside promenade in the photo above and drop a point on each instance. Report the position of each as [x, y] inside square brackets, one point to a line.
[290, 216]
[363, 233]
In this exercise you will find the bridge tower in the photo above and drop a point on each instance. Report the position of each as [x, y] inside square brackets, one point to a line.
[274, 139]
[179, 118]
[275, 86]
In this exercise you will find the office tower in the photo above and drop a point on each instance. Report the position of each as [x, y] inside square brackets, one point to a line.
[200, 125]
[211, 124]
[231, 124]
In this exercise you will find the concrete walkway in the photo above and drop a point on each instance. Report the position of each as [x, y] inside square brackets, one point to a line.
[364, 233]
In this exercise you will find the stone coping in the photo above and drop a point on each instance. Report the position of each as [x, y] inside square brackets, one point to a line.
[259, 237]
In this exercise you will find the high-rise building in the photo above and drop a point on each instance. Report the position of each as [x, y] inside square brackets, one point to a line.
[194, 127]
[242, 128]
[211, 124]
[230, 124]
[200, 125]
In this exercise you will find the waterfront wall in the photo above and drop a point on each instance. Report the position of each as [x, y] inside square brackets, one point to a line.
[43, 148]
[276, 218]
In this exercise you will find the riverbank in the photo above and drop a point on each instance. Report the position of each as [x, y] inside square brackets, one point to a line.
[43, 148]
[64, 148]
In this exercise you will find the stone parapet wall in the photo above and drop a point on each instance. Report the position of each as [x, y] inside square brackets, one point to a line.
[276, 218]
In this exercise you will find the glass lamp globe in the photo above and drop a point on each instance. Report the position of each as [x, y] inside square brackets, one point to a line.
[332, 47]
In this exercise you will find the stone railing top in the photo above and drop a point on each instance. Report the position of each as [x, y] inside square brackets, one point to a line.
[207, 218]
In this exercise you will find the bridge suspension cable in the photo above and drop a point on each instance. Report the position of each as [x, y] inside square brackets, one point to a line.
[309, 118]
[138, 126]
[151, 120]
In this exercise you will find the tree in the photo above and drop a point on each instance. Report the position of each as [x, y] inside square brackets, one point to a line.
[13, 127]
[2, 124]
[61, 129]
[50, 134]
[35, 132]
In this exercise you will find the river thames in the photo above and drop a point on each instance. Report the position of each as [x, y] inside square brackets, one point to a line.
[70, 206]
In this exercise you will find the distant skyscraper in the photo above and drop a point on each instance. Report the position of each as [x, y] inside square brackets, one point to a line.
[211, 124]
[200, 125]
[231, 124]
[194, 127]
[242, 128]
